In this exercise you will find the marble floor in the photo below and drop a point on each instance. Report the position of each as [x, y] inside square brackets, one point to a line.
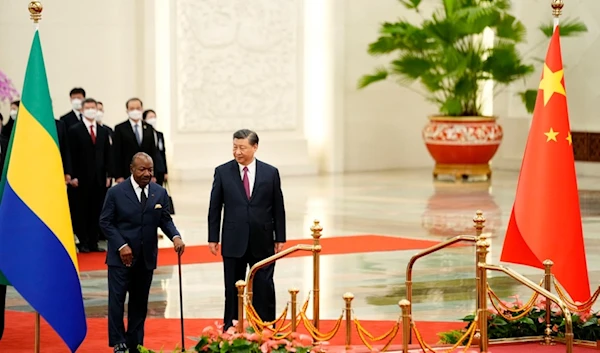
[403, 203]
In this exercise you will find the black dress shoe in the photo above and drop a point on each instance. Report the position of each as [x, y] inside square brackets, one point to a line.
[121, 348]
[84, 249]
[96, 249]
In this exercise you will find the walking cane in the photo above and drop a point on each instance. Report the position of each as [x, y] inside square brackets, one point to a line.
[181, 302]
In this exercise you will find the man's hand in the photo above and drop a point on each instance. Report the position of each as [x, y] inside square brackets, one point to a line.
[278, 247]
[178, 245]
[67, 179]
[74, 182]
[126, 255]
[214, 248]
[108, 182]
[119, 180]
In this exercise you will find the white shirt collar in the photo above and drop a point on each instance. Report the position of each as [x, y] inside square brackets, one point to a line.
[251, 166]
[89, 123]
[78, 114]
[135, 184]
[133, 123]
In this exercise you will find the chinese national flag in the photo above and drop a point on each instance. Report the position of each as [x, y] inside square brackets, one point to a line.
[545, 222]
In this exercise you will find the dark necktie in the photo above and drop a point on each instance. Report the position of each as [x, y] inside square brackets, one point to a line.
[143, 198]
[246, 182]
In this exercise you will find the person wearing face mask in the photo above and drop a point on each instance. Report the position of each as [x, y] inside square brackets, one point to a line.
[160, 163]
[100, 119]
[7, 129]
[75, 116]
[90, 153]
[130, 137]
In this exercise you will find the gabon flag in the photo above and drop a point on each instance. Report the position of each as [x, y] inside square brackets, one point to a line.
[545, 222]
[37, 246]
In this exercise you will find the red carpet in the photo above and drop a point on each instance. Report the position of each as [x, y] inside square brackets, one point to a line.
[19, 333]
[331, 246]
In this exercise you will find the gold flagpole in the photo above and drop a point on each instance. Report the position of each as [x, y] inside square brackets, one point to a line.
[35, 12]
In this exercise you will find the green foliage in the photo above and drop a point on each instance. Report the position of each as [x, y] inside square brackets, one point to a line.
[585, 324]
[446, 55]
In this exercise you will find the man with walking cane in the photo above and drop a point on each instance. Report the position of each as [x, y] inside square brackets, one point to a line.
[133, 211]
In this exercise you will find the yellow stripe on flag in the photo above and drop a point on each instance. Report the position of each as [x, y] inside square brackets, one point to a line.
[47, 200]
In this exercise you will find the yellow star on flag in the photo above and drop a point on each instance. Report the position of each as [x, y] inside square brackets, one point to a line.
[569, 139]
[551, 83]
[551, 135]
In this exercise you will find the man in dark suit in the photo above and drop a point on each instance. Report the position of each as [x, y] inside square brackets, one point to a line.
[131, 137]
[132, 212]
[77, 96]
[3, 149]
[90, 157]
[100, 120]
[250, 193]
[160, 163]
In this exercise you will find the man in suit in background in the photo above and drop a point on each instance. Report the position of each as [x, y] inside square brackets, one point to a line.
[132, 212]
[77, 96]
[3, 149]
[249, 192]
[100, 120]
[160, 163]
[90, 157]
[130, 137]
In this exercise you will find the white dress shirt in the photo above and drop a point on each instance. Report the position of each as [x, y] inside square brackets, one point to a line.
[138, 192]
[79, 115]
[140, 128]
[251, 174]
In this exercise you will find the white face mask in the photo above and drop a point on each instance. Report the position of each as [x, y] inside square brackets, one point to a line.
[135, 115]
[76, 103]
[13, 114]
[99, 115]
[151, 121]
[90, 114]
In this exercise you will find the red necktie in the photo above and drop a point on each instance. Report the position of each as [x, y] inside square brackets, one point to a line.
[92, 134]
[246, 182]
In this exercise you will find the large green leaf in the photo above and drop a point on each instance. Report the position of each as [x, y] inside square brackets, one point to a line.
[446, 55]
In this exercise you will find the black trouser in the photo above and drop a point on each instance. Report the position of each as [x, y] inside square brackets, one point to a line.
[137, 281]
[160, 178]
[263, 296]
[89, 204]
[2, 308]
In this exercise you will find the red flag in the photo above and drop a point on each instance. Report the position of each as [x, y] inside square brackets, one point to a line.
[545, 222]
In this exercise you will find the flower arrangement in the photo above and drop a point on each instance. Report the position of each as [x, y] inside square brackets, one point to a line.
[8, 92]
[586, 324]
[215, 340]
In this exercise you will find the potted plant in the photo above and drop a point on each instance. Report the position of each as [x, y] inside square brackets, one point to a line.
[447, 55]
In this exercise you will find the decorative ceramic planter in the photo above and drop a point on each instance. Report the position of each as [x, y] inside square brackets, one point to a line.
[462, 146]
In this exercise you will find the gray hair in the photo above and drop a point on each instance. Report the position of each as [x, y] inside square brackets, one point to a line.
[141, 155]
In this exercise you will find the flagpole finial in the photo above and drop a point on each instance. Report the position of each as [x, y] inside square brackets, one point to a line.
[35, 10]
[557, 6]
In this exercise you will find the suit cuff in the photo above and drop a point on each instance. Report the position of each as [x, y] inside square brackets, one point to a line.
[177, 236]
[122, 246]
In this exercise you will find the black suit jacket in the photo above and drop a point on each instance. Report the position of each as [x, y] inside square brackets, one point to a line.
[91, 162]
[124, 222]
[258, 222]
[3, 150]
[160, 164]
[70, 119]
[125, 146]
[63, 142]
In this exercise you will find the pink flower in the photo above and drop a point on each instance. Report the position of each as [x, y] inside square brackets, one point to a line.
[555, 328]
[493, 310]
[541, 319]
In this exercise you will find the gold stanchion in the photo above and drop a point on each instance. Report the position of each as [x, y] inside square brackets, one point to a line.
[241, 286]
[405, 307]
[37, 332]
[548, 340]
[316, 230]
[479, 221]
[294, 319]
[348, 299]
[482, 251]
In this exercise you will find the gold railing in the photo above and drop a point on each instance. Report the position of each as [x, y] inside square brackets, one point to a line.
[316, 230]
